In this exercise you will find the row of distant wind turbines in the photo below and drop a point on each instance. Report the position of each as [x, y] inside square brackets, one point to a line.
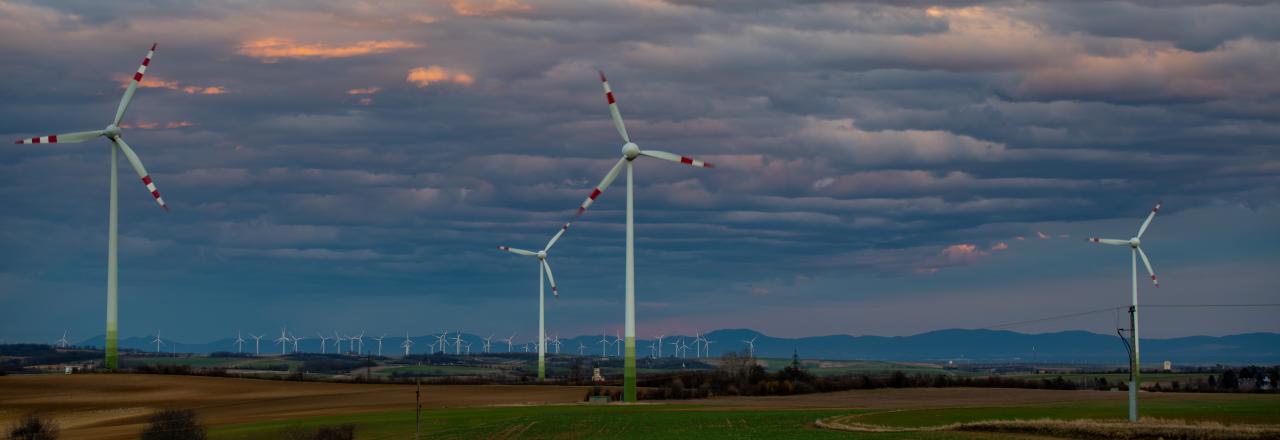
[355, 344]
[630, 152]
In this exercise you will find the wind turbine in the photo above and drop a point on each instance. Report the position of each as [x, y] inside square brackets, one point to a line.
[407, 344]
[617, 343]
[360, 339]
[379, 339]
[62, 342]
[323, 339]
[706, 345]
[282, 340]
[526, 347]
[582, 348]
[444, 336]
[239, 342]
[337, 342]
[653, 350]
[751, 346]
[112, 132]
[675, 345]
[697, 343]
[158, 341]
[257, 342]
[488, 343]
[296, 340]
[555, 340]
[513, 336]
[630, 151]
[604, 344]
[457, 343]
[659, 338]
[544, 269]
[1135, 251]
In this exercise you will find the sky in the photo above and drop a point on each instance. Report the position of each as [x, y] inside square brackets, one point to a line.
[883, 168]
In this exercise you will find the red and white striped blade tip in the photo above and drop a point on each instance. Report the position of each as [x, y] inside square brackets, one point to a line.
[51, 139]
[1155, 281]
[153, 46]
[602, 78]
[1157, 208]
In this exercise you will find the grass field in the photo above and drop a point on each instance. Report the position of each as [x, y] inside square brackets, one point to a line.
[1244, 409]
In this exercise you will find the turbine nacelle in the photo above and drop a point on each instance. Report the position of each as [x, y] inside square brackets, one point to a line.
[1135, 242]
[542, 255]
[631, 151]
[111, 131]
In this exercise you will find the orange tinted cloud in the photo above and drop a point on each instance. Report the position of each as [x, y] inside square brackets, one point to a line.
[270, 50]
[364, 91]
[151, 82]
[424, 76]
[148, 125]
[487, 8]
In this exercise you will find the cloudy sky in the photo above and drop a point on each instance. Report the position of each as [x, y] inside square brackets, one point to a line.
[880, 169]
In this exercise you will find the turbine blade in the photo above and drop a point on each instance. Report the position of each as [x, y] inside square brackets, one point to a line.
[142, 172]
[556, 238]
[1150, 216]
[613, 109]
[133, 86]
[675, 158]
[1111, 241]
[551, 279]
[604, 184]
[517, 251]
[1147, 262]
[68, 138]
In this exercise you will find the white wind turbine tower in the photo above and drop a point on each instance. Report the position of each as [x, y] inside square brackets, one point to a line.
[358, 339]
[555, 340]
[630, 151]
[544, 270]
[706, 344]
[407, 344]
[675, 345]
[751, 346]
[1135, 251]
[257, 343]
[379, 339]
[62, 342]
[239, 342]
[467, 347]
[337, 342]
[617, 343]
[323, 340]
[659, 338]
[513, 336]
[296, 340]
[697, 343]
[443, 338]
[487, 343]
[282, 340]
[158, 341]
[582, 349]
[653, 350]
[457, 343]
[604, 344]
[112, 133]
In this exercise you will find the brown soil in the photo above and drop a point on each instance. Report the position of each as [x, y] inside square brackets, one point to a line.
[916, 398]
[115, 406]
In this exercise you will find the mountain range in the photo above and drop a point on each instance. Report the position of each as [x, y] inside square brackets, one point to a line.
[958, 345]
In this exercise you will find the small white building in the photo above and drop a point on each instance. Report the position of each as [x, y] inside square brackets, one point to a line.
[1168, 366]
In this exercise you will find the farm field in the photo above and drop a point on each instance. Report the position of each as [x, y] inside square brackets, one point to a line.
[115, 407]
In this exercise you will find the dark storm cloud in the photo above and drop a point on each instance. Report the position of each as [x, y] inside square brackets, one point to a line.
[336, 150]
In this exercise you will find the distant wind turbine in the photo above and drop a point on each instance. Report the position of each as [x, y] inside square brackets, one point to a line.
[379, 339]
[751, 346]
[257, 341]
[407, 344]
[323, 340]
[158, 341]
[62, 342]
[239, 342]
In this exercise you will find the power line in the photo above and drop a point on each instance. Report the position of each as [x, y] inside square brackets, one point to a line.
[1109, 309]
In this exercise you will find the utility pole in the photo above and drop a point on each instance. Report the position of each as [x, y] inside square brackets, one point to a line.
[417, 407]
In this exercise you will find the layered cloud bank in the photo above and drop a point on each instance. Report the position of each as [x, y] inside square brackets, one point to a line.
[866, 153]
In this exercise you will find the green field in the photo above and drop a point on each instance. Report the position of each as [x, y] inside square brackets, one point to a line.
[1246, 409]
[658, 421]
[701, 422]
[215, 362]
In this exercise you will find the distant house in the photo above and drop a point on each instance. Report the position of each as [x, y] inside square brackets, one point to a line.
[1168, 366]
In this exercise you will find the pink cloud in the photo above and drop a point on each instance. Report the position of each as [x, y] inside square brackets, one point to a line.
[271, 49]
[1000, 246]
[1043, 236]
[425, 76]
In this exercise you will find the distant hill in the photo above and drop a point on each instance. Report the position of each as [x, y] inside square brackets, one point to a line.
[960, 345]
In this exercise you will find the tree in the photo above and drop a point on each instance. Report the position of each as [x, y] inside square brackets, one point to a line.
[173, 424]
[34, 428]
[1230, 380]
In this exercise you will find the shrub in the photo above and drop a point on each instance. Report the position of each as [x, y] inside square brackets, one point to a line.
[34, 428]
[173, 424]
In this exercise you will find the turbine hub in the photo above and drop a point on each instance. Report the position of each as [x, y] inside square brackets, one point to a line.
[1134, 242]
[631, 150]
[542, 255]
[112, 130]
